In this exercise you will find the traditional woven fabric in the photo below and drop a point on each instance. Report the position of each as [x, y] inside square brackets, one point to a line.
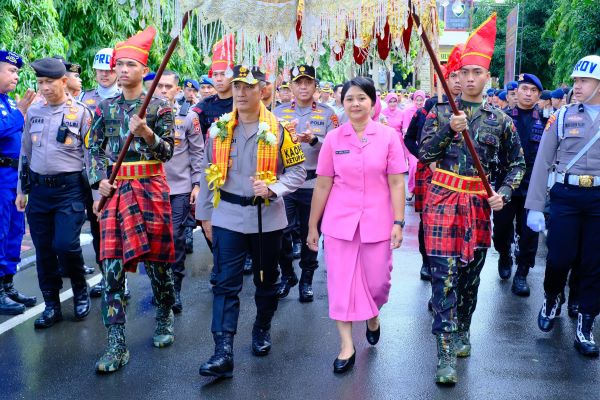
[140, 169]
[266, 155]
[422, 179]
[136, 223]
[455, 223]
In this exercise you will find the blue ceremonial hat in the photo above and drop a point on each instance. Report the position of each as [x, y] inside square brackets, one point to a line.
[150, 77]
[512, 85]
[490, 92]
[497, 92]
[205, 80]
[191, 83]
[567, 90]
[11, 58]
[502, 95]
[532, 79]
[557, 93]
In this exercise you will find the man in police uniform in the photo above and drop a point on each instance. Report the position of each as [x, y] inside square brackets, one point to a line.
[206, 87]
[73, 78]
[557, 97]
[106, 78]
[530, 124]
[51, 165]
[107, 87]
[12, 226]
[248, 142]
[569, 147]
[183, 173]
[190, 94]
[327, 94]
[311, 121]
[285, 93]
[511, 93]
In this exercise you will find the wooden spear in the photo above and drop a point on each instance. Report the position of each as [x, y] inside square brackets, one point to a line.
[142, 112]
[438, 70]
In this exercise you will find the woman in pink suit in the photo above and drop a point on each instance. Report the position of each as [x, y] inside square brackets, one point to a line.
[359, 194]
[418, 101]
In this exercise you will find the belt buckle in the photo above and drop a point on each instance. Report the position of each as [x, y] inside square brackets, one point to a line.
[51, 181]
[586, 181]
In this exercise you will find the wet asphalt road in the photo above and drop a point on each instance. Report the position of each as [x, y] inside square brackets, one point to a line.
[511, 358]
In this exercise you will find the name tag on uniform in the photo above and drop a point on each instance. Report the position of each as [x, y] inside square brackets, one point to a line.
[342, 152]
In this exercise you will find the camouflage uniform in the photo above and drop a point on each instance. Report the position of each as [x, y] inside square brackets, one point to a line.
[109, 132]
[456, 249]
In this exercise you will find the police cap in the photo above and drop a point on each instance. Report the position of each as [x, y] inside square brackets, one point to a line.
[50, 67]
[205, 80]
[249, 75]
[303, 70]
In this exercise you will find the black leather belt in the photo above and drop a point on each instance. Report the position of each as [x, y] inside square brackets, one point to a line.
[56, 180]
[9, 162]
[239, 200]
[311, 174]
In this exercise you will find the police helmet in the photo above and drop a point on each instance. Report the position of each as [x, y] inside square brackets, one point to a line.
[587, 67]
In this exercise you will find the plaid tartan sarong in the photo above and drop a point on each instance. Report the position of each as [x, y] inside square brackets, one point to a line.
[136, 223]
[455, 223]
[422, 180]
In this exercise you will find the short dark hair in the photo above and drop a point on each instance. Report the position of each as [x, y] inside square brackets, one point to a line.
[365, 84]
[168, 72]
[336, 87]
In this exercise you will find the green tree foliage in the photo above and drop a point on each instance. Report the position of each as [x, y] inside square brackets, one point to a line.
[535, 47]
[575, 29]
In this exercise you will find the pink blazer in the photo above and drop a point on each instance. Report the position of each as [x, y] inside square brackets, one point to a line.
[360, 196]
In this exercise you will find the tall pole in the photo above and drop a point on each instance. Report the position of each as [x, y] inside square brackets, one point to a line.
[465, 133]
[142, 112]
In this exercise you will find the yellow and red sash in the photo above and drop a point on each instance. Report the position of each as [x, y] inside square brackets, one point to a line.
[266, 155]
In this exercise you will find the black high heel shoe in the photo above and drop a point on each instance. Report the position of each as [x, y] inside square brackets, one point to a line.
[341, 366]
[373, 336]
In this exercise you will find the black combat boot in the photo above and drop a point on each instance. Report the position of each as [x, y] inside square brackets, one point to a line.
[261, 341]
[287, 282]
[15, 295]
[8, 306]
[306, 290]
[116, 354]
[96, 290]
[505, 263]
[177, 306]
[573, 308]
[584, 338]
[550, 309]
[446, 367]
[81, 301]
[220, 365]
[519, 285]
[425, 272]
[52, 313]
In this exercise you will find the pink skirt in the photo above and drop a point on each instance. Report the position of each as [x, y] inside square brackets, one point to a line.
[358, 277]
[412, 170]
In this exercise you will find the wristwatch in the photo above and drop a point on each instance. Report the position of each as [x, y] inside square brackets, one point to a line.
[400, 222]
[314, 140]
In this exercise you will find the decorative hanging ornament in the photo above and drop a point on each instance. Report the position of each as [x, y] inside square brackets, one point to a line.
[384, 42]
[360, 55]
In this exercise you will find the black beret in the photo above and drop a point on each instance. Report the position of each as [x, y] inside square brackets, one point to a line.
[52, 68]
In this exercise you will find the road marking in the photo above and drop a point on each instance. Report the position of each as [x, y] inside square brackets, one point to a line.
[32, 312]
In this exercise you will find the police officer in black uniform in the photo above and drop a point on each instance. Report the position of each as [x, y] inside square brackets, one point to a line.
[53, 146]
[530, 123]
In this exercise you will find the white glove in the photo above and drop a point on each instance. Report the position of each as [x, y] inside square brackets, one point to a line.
[536, 221]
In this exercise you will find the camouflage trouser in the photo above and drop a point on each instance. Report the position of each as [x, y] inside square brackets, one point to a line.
[113, 297]
[454, 287]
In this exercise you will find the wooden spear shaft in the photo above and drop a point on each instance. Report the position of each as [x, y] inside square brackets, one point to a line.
[465, 133]
[142, 112]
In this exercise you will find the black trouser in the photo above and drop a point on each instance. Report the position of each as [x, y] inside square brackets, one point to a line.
[180, 209]
[297, 208]
[229, 254]
[504, 232]
[422, 249]
[94, 223]
[573, 243]
[56, 213]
